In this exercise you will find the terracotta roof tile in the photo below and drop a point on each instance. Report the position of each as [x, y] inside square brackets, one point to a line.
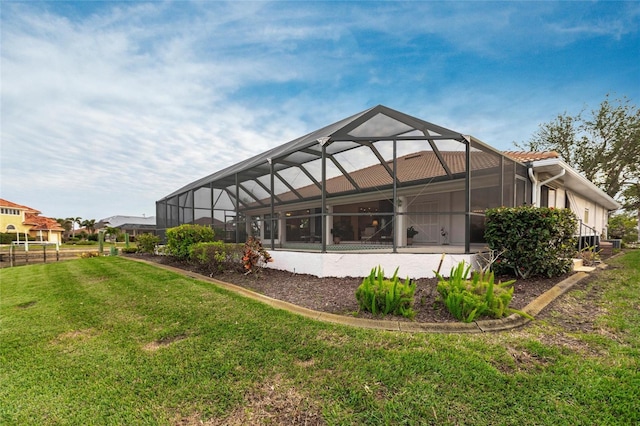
[32, 217]
[41, 223]
[411, 167]
[525, 156]
[6, 203]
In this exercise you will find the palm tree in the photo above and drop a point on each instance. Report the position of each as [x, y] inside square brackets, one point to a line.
[90, 224]
[66, 224]
[76, 220]
[112, 233]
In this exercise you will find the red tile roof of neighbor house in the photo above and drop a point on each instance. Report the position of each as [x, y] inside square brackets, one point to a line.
[41, 223]
[32, 217]
[525, 156]
[6, 203]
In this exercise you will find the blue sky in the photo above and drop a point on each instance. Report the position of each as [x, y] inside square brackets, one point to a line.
[107, 107]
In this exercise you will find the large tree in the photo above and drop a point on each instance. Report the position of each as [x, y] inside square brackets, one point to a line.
[603, 144]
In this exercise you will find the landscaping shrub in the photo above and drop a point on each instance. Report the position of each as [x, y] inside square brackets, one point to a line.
[8, 237]
[180, 238]
[386, 296]
[254, 255]
[92, 237]
[216, 256]
[534, 241]
[89, 254]
[467, 299]
[147, 243]
[129, 250]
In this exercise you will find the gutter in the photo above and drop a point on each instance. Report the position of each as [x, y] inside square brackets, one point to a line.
[537, 185]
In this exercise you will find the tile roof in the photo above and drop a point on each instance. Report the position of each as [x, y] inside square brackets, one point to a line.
[411, 167]
[6, 203]
[32, 217]
[41, 223]
[526, 156]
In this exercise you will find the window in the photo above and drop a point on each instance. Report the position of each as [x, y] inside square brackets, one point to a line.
[11, 228]
[544, 196]
[522, 191]
[14, 212]
[586, 215]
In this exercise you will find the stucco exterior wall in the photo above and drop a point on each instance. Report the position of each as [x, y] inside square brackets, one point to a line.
[411, 265]
[590, 213]
[15, 220]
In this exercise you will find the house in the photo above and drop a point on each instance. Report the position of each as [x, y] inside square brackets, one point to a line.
[132, 225]
[26, 221]
[368, 178]
[556, 184]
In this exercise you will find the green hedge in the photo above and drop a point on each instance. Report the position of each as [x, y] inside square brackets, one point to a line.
[531, 241]
[8, 237]
[181, 238]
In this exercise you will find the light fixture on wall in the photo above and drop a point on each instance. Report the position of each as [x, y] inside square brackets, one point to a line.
[374, 223]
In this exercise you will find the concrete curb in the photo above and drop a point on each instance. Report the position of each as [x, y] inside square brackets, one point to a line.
[484, 326]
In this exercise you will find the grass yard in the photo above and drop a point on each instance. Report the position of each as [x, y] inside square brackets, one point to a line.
[111, 341]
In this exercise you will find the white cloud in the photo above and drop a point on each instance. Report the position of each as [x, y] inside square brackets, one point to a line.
[106, 110]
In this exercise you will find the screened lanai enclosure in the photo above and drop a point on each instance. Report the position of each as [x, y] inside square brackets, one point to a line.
[378, 180]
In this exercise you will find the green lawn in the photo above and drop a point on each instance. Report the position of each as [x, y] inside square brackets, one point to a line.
[111, 341]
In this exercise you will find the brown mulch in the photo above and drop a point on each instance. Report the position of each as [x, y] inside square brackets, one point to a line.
[337, 295]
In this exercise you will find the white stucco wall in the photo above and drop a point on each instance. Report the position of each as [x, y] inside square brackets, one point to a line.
[360, 264]
[598, 216]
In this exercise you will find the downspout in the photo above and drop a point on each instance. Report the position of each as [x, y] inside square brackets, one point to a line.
[537, 185]
[534, 182]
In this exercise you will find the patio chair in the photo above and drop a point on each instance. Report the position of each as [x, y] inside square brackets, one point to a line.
[368, 233]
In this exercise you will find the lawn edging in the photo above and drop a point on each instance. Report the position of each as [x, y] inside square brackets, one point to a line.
[482, 326]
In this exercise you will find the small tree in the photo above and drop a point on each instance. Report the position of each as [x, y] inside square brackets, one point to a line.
[624, 226]
[534, 240]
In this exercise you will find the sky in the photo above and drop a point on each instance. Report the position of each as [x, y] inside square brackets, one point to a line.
[107, 107]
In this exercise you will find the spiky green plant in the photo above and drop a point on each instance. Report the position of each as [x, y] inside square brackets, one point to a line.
[386, 296]
[469, 299]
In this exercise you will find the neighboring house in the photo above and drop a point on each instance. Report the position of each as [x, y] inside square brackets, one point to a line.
[132, 225]
[23, 220]
[369, 177]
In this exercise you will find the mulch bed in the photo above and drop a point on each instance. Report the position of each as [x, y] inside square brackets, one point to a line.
[337, 295]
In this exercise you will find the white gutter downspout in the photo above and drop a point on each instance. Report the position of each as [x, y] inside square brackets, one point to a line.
[537, 185]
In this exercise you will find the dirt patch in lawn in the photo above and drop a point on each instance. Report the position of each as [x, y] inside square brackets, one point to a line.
[274, 403]
[337, 295]
[155, 345]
